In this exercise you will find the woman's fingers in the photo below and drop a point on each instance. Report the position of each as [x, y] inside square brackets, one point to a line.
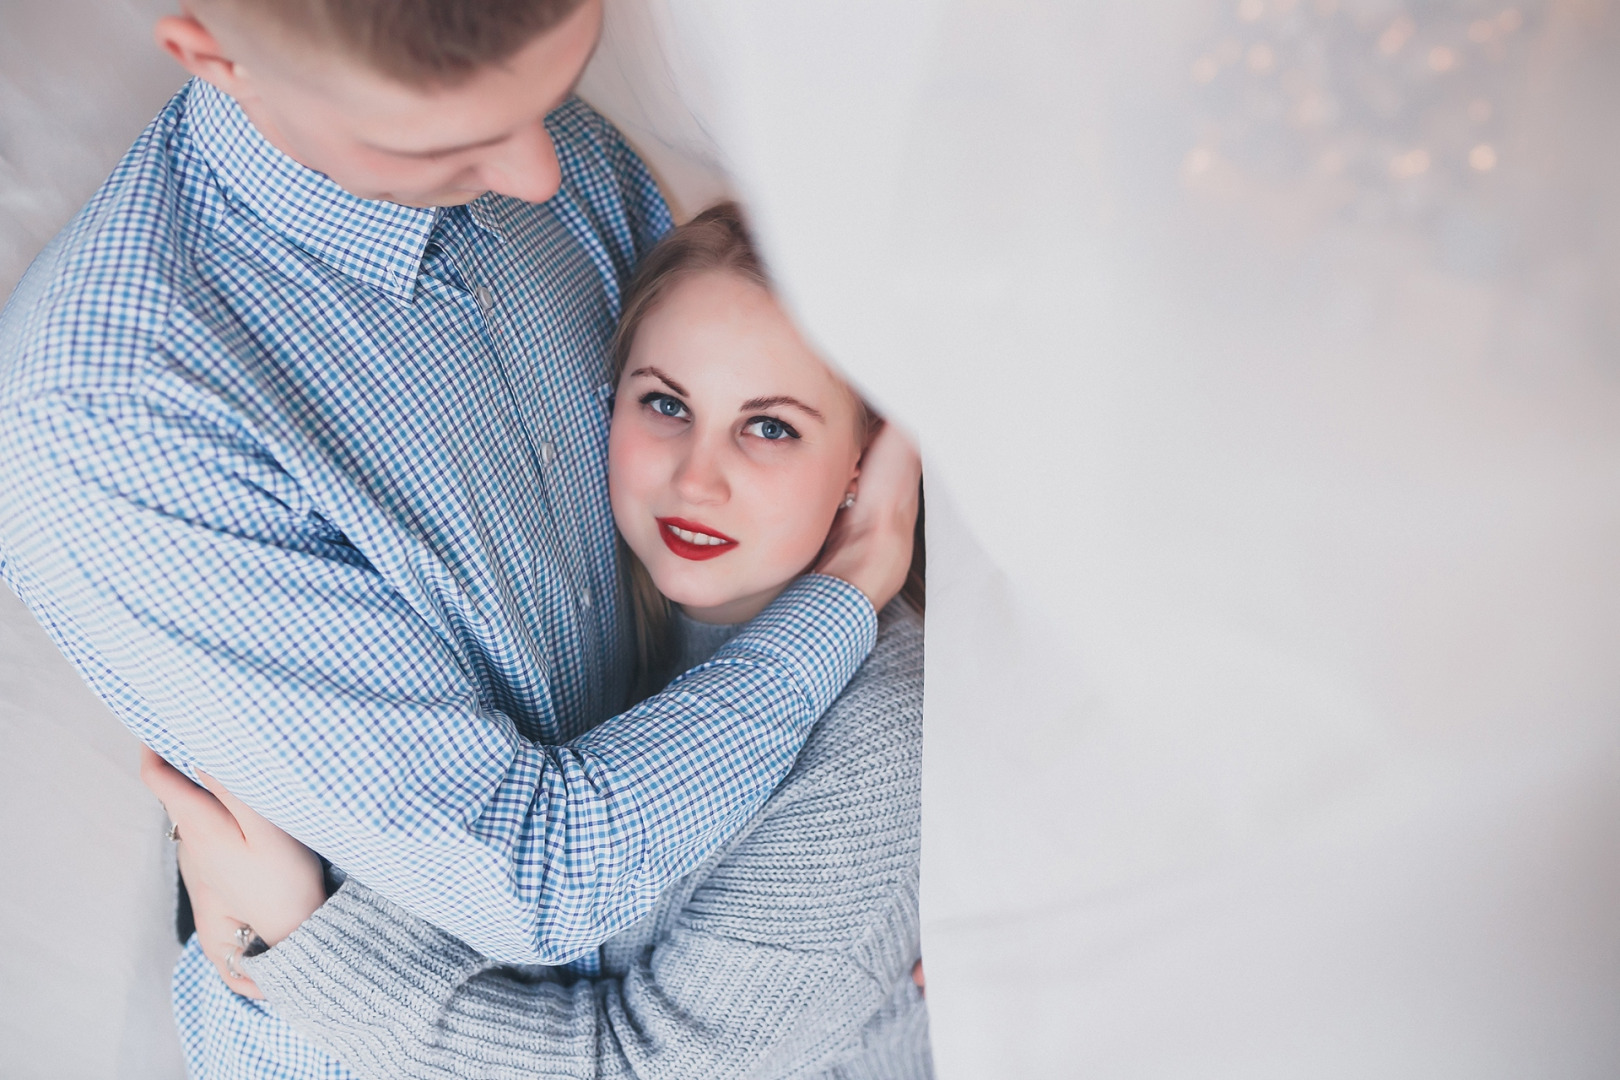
[254, 827]
[219, 938]
[194, 810]
[237, 980]
[891, 465]
[158, 775]
[871, 546]
[217, 925]
[278, 881]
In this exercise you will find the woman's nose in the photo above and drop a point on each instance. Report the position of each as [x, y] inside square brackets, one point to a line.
[524, 166]
[701, 477]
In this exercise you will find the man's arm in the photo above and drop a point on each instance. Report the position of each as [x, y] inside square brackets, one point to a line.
[175, 552]
[788, 947]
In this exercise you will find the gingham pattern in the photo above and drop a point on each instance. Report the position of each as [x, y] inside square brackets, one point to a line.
[313, 492]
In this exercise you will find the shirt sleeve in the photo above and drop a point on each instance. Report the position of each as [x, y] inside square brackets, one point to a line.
[645, 208]
[622, 210]
[180, 568]
[797, 937]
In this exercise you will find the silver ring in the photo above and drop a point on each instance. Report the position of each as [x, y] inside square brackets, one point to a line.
[243, 936]
[230, 964]
[173, 833]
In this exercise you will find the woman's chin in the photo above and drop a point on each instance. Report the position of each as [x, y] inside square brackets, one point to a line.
[696, 602]
[697, 595]
[718, 605]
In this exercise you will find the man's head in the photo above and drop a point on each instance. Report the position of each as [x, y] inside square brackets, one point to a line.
[421, 102]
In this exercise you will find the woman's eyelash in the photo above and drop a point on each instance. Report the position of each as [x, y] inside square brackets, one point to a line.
[787, 428]
[653, 399]
[773, 429]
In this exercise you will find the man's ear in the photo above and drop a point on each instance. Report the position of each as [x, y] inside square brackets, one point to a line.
[195, 48]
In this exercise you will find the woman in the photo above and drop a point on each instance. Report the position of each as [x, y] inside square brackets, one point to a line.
[789, 952]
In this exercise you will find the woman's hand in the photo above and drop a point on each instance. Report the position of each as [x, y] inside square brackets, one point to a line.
[870, 543]
[220, 934]
[239, 869]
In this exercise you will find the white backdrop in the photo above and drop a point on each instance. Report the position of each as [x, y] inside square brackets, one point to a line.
[86, 889]
[1266, 357]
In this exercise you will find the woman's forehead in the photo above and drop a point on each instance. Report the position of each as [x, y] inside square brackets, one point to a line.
[722, 337]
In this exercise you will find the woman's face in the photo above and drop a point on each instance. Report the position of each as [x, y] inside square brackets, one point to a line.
[732, 447]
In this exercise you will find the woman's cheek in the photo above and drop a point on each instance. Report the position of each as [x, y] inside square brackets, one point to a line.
[805, 505]
[632, 470]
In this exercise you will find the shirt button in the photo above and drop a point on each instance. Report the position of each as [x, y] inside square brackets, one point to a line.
[486, 298]
[548, 453]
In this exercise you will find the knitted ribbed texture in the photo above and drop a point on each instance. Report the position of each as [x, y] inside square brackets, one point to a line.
[787, 954]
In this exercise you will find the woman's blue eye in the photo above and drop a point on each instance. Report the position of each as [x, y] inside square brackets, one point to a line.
[664, 405]
[768, 427]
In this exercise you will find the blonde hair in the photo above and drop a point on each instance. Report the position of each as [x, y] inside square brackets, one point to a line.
[716, 240]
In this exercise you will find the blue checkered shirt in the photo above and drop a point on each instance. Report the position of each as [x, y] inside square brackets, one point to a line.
[313, 491]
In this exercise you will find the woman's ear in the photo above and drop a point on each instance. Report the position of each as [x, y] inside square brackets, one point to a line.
[874, 424]
[195, 48]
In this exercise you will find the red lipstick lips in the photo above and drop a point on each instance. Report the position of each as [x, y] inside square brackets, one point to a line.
[686, 549]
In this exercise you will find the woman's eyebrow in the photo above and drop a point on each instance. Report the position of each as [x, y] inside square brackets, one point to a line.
[780, 399]
[661, 377]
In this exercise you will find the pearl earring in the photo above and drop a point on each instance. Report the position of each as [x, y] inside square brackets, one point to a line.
[849, 500]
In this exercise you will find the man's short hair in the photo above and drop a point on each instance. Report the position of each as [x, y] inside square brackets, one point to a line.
[418, 42]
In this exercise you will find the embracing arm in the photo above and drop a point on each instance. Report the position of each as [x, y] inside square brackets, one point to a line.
[794, 938]
[392, 997]
[182, 569]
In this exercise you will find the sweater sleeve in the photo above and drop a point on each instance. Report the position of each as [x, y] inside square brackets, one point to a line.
[796, 937]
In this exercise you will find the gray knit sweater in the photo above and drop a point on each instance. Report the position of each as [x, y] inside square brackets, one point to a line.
[788, 953]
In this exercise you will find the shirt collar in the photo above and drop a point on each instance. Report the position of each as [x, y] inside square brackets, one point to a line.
[380, 243]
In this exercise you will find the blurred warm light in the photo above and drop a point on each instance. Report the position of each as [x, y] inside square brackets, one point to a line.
[1199, 161]
[1509, 21]
[1394, 39]
[1483, 157]
[1313, 110]
[1261, 58]
[1205, 68]
[1481, 30]
[1251, 10]
[1410, 164]
[1442, 58]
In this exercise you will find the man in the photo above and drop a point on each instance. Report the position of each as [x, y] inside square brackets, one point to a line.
[302, 435]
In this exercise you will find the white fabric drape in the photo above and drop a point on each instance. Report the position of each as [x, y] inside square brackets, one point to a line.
[1264, 358]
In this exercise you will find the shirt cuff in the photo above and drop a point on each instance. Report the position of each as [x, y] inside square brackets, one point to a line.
[819, 631]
